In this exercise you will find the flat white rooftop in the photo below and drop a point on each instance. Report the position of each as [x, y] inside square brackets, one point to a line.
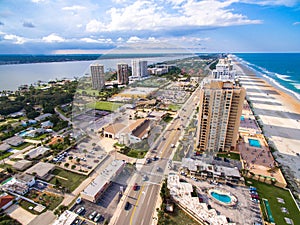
[66, 218]
[103, 178]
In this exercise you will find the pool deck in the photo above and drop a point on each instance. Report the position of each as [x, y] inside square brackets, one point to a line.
[233, 199]
[245, 212]
[258, 160]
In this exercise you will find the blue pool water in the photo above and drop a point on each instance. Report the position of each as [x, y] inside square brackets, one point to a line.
[268, 209]
[242, 118]
[221, 197]
[254, 143]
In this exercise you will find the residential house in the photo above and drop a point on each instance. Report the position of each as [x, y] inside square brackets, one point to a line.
[14, 141]
[6, 201]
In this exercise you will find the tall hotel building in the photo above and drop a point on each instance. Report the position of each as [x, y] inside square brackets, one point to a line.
[139, 68]
[123, 73]
[221, 104]
[224, 70]
[98, 79]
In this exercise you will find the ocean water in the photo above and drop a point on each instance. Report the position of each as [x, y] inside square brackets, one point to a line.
[281, 69]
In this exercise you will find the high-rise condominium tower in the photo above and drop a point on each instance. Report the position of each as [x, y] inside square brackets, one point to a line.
[123, 73]
[139, 68]
[224, 70]
[98, 79]
[220, 109]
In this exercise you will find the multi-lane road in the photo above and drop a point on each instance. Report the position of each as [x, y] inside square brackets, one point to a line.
[150, 176]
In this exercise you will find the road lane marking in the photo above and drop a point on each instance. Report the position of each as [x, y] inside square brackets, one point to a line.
[134, 208]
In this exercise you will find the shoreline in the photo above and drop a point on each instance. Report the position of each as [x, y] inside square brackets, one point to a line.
[267, 78]
[279, 112]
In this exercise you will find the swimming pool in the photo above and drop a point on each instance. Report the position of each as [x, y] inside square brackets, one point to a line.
[242, 118]
[268, 211]
[223, 197]
[254, 143]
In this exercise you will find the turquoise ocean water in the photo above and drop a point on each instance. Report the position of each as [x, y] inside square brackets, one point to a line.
[281, 69]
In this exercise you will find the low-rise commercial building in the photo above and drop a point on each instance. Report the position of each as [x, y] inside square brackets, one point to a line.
[66, 218]
[205, 170]
[41, 170]
[98, 186]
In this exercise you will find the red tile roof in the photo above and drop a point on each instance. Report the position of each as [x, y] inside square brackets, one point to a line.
[5, 200]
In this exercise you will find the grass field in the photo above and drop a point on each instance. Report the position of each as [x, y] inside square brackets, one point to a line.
[22, 146]
[71, 181]
[179, 217]
[5, 155]
[106, 106]
[231, 155]
[25, 205]
[174, 107]
[136, 154]
[272, 193]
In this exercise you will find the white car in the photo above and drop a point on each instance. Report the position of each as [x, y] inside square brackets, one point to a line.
[78, 200]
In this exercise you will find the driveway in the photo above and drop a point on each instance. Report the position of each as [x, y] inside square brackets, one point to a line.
[20, 214]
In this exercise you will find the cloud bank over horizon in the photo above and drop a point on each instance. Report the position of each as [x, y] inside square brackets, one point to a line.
[49, 26]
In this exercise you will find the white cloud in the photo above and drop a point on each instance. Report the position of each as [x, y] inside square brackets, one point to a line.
[89, 40]
[120, 39]
[288, 3]
[296, 23]
[16, 39]
[147, 15]
[37, 1]
[100, 40]
[73, 8]
[53, 38]
[119, 1]
[95, 26]
[134, 39]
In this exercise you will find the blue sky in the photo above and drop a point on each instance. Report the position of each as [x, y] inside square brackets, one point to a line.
[95, 26]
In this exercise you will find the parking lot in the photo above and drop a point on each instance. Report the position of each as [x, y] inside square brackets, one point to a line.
[108, 201]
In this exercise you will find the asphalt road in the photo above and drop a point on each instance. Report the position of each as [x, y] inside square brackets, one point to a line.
[143, 201]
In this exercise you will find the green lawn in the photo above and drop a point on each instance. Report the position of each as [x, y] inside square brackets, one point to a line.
[71, 181]
[174, 107]
[271, 193]
[5, 155]
[179, 217]
[22, 146]
[51, 201]
[136, 153]
[107, 106]
[38, 138]
[25, 205]
[231, 155]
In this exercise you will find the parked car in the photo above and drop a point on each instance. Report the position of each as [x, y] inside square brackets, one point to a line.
[145, 177]
[80, 210]
[135, 186]
[127, 206]
[92, 215]
[78, 200]
[98, 217]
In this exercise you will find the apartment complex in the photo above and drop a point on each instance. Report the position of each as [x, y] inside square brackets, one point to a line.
[139, 68]
[221, 104]
[122, 73]
[224, 70]
[98, 79]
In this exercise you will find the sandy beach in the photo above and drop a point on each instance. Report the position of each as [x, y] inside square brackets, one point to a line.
[280, 115]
